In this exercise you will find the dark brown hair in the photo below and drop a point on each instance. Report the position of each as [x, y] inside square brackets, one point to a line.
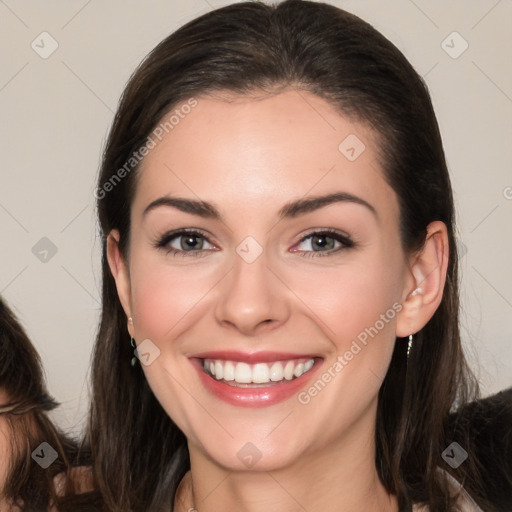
[140, 454]
[488, 424]
[28, 486]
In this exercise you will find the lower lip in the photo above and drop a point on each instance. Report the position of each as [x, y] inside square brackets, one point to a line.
[257, 396]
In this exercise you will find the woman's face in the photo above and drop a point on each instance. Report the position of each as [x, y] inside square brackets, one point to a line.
[258, 282]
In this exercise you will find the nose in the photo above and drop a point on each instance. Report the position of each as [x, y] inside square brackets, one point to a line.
[252, 298]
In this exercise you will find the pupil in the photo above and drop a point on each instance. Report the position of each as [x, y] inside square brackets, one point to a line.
[322, 243]
[191, 238]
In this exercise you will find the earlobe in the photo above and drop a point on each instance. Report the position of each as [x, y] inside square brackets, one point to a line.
[119, 271]
[424, 285]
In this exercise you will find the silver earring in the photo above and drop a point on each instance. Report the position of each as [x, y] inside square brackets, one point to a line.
[132, 342]
[409, 345]
[134, 359]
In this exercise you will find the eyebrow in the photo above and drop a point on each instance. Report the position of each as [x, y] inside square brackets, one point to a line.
[289, 210]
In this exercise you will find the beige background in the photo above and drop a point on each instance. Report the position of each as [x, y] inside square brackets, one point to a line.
[55, 114]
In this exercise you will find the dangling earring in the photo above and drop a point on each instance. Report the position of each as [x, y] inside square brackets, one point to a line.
[409, 345]
[134, 359]
[132, 343]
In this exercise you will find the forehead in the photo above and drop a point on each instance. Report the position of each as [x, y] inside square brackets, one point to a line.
[262, 149]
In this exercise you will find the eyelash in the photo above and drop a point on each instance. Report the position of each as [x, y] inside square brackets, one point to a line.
[345, 240]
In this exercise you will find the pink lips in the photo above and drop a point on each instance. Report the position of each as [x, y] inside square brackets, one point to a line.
[260, 396]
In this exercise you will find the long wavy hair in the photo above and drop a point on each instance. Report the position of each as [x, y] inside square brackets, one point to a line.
[140, 455]
[29, 487]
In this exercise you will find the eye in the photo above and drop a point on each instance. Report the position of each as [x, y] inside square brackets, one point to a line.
[187, 243]
[190, 243]
[325, 239]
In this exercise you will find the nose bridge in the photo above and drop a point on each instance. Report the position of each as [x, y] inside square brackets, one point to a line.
[250, 295]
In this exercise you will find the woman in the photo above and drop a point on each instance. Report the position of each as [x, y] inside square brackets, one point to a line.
[41, 467]
[278, 247]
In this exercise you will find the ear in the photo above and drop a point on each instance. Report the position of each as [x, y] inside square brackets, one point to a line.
[424, 284]
[120, 273]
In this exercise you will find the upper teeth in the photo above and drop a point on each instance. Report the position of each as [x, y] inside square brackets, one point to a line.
[257, 373]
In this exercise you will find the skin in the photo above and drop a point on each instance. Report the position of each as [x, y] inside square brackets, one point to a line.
[5, 447]
[250, 156]
[7, 439]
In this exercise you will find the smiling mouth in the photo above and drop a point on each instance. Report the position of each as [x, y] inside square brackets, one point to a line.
[240, 374]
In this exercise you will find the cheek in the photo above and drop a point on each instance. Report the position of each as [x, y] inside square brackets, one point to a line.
[356, 307]
[163, 296]
[349, 299]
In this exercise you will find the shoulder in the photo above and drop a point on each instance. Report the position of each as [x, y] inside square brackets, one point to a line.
[77, 488]
[81, 477]
[484, 429]
[464, 501]
[5, 448]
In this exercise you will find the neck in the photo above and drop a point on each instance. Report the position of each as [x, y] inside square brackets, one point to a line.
[339, 478]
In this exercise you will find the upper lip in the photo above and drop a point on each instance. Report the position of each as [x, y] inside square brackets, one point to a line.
[253, 357]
